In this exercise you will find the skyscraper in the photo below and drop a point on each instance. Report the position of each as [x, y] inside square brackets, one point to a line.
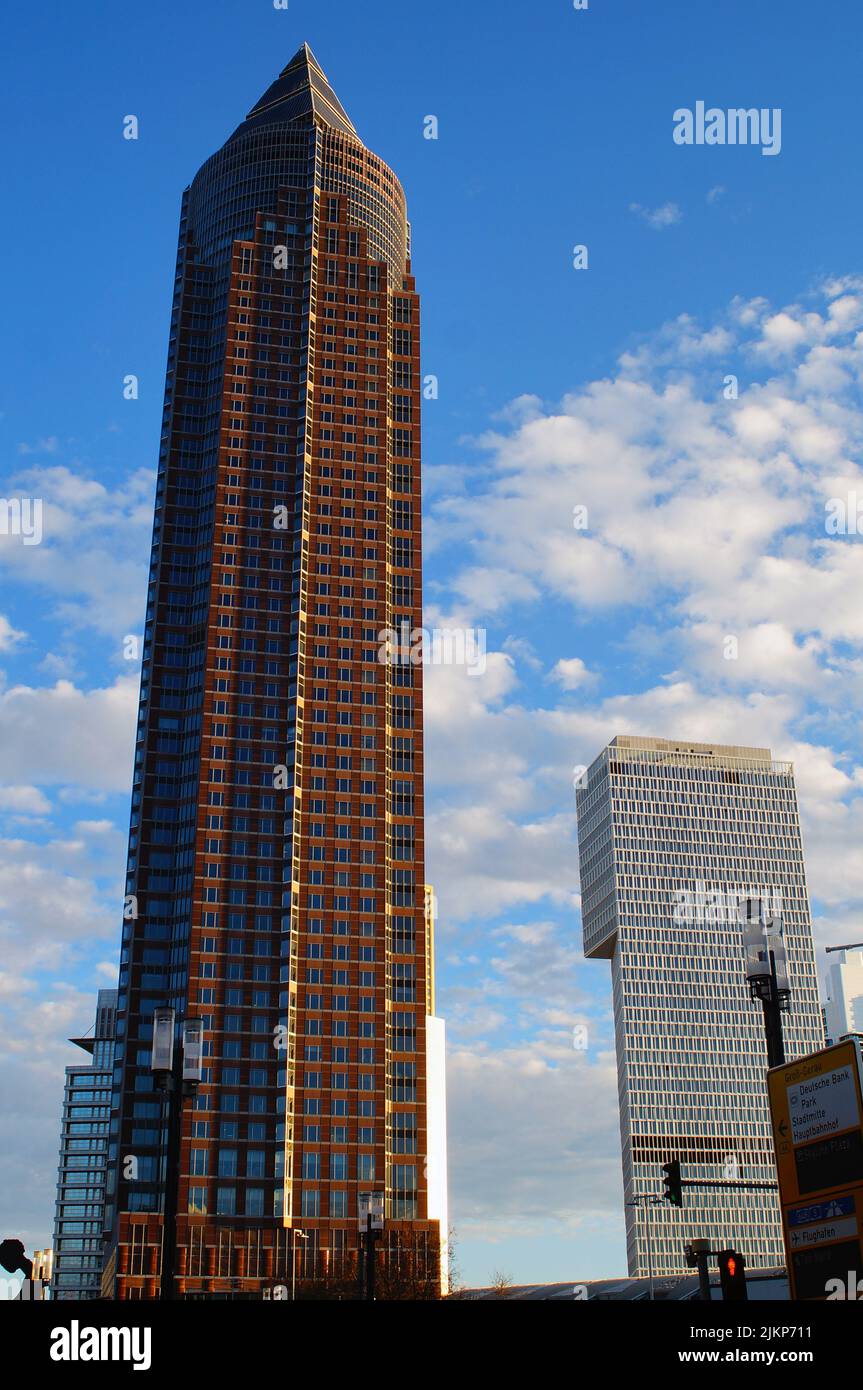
[275, 872]
[80, 1208]
[844, 994]
[671, 835]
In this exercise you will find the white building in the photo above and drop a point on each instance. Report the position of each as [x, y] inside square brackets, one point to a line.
[843, 999]
[671, 836]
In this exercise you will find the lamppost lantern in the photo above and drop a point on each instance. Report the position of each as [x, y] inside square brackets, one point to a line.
[176, 1076]
[757, 955]
[764, 949]
[766, 969]
[193, 1051]
[162, 1057]
[776, 942]
[370, 1219]
[751, 916]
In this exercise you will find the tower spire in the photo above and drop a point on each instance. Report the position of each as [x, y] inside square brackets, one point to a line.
[301, 91]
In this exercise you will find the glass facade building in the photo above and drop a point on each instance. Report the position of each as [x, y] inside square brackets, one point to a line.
[843, 994]
[671, 836]
[275, 883]
[80, 1208]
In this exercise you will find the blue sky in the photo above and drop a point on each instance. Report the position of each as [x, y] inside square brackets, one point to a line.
[558, 388]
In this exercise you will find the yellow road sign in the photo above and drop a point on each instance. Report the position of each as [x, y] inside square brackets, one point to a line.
[816, 1106]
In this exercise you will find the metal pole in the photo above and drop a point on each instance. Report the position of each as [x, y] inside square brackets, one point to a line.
[638, 1202]
[174, 1101]
[703, 1277]
[773, 1033]
[649, 1254]
[293, 1267]
[370, 1261]
[773, 1022]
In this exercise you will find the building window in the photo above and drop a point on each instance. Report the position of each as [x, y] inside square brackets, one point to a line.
[256, 1163]
[226, 1201]
[227, 1163]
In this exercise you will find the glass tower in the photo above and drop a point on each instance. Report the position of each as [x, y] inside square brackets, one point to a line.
[275, 884]
[671, 836]
[80, 1209]
[843, 1008]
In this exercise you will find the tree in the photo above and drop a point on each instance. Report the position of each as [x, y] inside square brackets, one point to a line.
[453, 1270]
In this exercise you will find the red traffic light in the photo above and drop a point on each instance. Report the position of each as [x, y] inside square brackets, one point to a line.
[732, 1276]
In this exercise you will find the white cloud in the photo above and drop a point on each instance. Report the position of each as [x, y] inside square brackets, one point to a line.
[9, 637]
[92, 558]
[667, 215]
[41, 446]
[571, 673]
[538, 1142]
[486, 862]
[59, 734]
[52, 909]
[27, 801]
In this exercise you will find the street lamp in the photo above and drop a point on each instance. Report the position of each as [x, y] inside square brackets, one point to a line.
[766, 970]
[646, 1201]
[177, 1074]
[298, 1235]
[370, 1219]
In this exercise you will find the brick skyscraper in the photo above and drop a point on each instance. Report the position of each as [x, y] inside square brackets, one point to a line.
[275, 873]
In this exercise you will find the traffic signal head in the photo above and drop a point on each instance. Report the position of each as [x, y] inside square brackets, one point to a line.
[732, 1276]
[672, 1188]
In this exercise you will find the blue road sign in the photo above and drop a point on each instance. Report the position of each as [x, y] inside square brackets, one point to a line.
[821, 1211]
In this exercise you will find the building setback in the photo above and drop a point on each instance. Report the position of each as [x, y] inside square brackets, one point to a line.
[80, 1209]
[671, 835]
[276, 867]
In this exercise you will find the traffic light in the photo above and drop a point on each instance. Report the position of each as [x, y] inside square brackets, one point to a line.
[732, 1276]
[672, 1188]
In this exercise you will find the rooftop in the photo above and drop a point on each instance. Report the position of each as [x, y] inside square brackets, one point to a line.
[669, 745]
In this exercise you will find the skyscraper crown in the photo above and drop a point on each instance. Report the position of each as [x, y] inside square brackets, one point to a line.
[299, 92]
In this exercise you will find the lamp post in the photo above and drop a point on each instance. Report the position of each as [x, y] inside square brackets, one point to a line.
[298, 1235]
[370, 1220]
[643, 1200]
[766, 971]
[177, 1073]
